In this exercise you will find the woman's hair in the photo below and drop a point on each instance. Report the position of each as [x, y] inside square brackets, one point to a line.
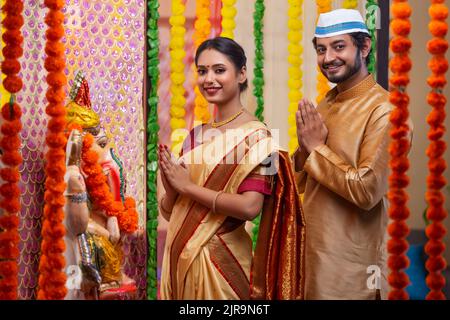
[231, 49]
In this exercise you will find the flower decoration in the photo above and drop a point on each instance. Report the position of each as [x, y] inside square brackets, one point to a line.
[400, 65]
[202, 30]
[100, 193]
[228, 22]
[371, 22]
[177, 54]
[152, 142]
[436, 212]
[52, 278]
[11, 155]
[350, 4]
[322, 82]
[295, 82]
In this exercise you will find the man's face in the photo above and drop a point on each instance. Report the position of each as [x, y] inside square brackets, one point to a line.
[338, 57]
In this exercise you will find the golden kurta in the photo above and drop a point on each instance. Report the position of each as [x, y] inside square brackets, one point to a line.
[345, 183]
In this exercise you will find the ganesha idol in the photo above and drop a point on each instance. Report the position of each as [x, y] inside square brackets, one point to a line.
[97, 213]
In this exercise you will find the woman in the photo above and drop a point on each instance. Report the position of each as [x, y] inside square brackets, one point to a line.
[225, 177]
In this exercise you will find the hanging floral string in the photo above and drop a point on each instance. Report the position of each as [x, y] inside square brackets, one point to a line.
[4, 95]
[52, 279]
[228, 14]
[400, 65]
[258, 80]
[216, 17]
[10, 145]
[371, 22]
[350, 4]
[436, 212]
[152, 142]
[177, 54]
[202, 30]
[295, 82]
[258, 73]
[322, 82]
[100, 193]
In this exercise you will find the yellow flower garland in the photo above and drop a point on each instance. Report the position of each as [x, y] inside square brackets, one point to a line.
[322, 82]
[350, 4]
[295, 82]
[228, 14]
[202, 30]
[177, 53]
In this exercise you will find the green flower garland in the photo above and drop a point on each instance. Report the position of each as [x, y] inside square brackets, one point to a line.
[258, 80]
[258, 75]
[371, 21]
[152, 142]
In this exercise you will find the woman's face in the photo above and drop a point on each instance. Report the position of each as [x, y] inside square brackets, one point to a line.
[218, 79]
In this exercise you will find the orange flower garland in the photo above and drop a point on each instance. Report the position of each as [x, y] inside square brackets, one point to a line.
[202, 30]
[10, 145]
[400, 66]
[436, 213]
[52, 278]
[100, 193]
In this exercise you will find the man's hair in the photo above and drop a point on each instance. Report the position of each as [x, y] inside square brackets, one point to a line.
[358, 38]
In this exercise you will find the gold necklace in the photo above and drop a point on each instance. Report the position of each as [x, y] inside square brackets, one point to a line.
[224, 122]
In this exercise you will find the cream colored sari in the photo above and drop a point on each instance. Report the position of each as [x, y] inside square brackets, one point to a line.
[209, 256]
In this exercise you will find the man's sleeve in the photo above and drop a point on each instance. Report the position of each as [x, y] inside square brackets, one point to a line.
[366, 184]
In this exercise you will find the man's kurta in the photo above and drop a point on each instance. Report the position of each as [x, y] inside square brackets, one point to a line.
[345, 183]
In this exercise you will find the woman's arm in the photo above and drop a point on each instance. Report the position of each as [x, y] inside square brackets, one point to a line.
[245, 206]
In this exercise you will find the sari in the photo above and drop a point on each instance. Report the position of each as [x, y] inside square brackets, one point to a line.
[209, 255]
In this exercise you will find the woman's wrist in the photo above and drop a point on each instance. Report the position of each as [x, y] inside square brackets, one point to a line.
[163, 207]
[187, 189]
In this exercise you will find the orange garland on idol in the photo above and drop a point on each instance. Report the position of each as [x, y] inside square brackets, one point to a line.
[400, 65]
[100, 193]
[10, 145]
[436, 212]
[52, 278]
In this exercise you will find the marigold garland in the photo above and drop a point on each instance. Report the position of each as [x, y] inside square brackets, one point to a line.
[400, 66]
[152, 145]
[11, 157]
[258, 82]
[371, 22]
[258, 73]
[100, 193]
[177, 54]
[322, 82]
[295, 82]
[228, 18]
[350, 4]
[436, 212]
[4, 95]
[202, 30]
[10, 145]
[52, 279]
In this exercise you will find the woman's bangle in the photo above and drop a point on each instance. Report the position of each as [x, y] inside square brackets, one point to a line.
[161, 206]
[213, 208]
[78, 197]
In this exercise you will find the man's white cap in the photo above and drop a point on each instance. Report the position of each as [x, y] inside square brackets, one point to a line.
[340, 21]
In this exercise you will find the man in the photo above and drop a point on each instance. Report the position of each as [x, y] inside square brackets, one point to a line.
[342, 166]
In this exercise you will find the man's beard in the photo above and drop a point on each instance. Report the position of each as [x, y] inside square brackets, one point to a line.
[350, 71]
